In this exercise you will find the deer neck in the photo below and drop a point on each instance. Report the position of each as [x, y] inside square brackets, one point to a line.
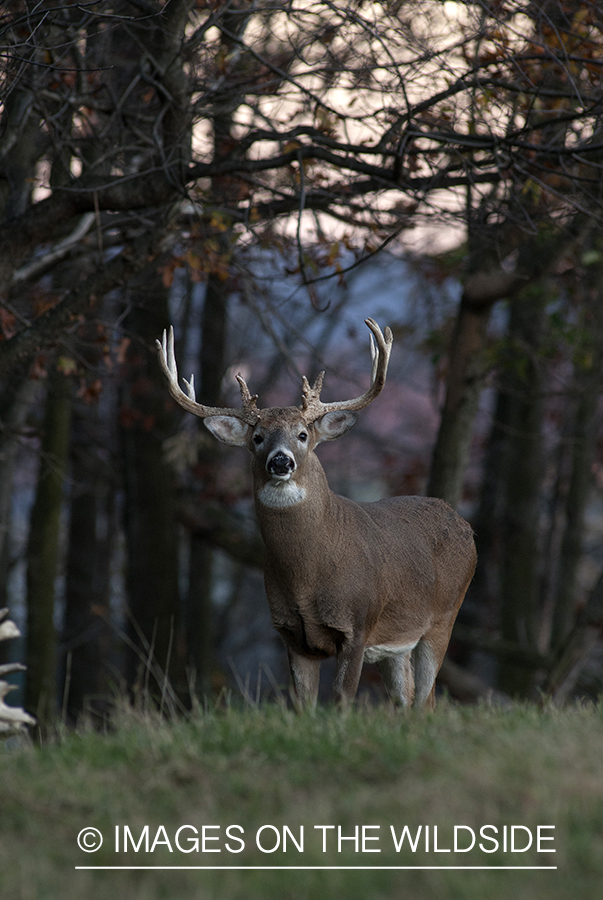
[294, 533]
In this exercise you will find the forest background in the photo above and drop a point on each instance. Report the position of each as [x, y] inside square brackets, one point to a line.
[264, 176]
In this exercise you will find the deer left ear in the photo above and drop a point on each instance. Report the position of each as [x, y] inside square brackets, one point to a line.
[228, 429]
[334, 424]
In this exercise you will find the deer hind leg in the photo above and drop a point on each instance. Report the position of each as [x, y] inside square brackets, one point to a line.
[429, 656]
[397, 675]
[305, 674]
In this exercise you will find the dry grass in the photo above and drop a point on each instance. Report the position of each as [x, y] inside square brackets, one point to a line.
[459, 766]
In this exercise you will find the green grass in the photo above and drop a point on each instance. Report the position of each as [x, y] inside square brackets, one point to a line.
[458, 766]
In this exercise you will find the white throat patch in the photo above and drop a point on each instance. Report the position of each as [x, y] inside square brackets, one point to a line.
[279, 494]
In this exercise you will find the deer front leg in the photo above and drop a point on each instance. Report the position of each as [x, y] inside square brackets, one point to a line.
[347, 673]
[305, 675]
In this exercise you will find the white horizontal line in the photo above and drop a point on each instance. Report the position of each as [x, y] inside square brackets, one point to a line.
[313, 868]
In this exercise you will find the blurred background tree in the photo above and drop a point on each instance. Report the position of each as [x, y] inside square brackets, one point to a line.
[264, 176]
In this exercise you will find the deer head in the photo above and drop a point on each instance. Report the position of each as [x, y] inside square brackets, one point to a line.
[280, 439]
[266, 432]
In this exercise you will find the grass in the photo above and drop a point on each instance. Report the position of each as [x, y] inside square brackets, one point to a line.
[256, 767]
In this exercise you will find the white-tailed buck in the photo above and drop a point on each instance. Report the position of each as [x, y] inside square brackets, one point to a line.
[381, 582]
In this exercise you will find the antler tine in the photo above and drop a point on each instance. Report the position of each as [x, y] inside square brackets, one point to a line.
[381, 345]
[247, 413]
[374, 357]
[311, 395]
[190, 387]
[249, 399]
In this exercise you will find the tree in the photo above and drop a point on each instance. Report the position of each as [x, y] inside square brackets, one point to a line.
[141, 134]
[42, 552]
[368, 115]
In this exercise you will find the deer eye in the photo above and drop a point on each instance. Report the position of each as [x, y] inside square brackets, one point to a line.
[258, 439]
[302, 436]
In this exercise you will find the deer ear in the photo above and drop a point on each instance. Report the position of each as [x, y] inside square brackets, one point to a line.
[228, 429]
[334, 424]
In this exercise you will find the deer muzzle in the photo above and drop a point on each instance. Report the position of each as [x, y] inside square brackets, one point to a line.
[280, 464]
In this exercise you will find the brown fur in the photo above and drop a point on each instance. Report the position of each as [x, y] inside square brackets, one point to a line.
[343, 576]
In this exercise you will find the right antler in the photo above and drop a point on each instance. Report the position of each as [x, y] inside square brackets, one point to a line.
[248, 412]
[313, 408]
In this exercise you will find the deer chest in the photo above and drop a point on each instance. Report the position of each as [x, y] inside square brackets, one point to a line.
[304, 635]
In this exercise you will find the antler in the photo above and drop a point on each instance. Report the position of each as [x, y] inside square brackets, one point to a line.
[313, 408]
[248, 412]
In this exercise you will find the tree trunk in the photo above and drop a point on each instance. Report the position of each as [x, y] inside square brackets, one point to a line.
[19, 150]
[586, 633]
[487, 522]
[200, 624]
[42, 552]
[12, 421]
[19, 161]
[154, 660]
[86, 637]
[519, 572]
[464, 384]
[587, 383]
[485, 285]
[199, 611]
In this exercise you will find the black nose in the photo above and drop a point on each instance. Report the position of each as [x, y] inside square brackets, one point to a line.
[281, 464]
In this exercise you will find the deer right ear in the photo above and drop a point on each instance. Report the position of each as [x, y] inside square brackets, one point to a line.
[335, 424]
[228, 429]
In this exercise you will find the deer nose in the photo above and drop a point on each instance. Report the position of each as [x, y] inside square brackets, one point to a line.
[280, 464]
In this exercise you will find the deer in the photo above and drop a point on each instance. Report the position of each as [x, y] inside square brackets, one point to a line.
[380, 582]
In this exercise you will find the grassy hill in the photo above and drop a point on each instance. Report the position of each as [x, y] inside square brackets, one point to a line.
[227, 775]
